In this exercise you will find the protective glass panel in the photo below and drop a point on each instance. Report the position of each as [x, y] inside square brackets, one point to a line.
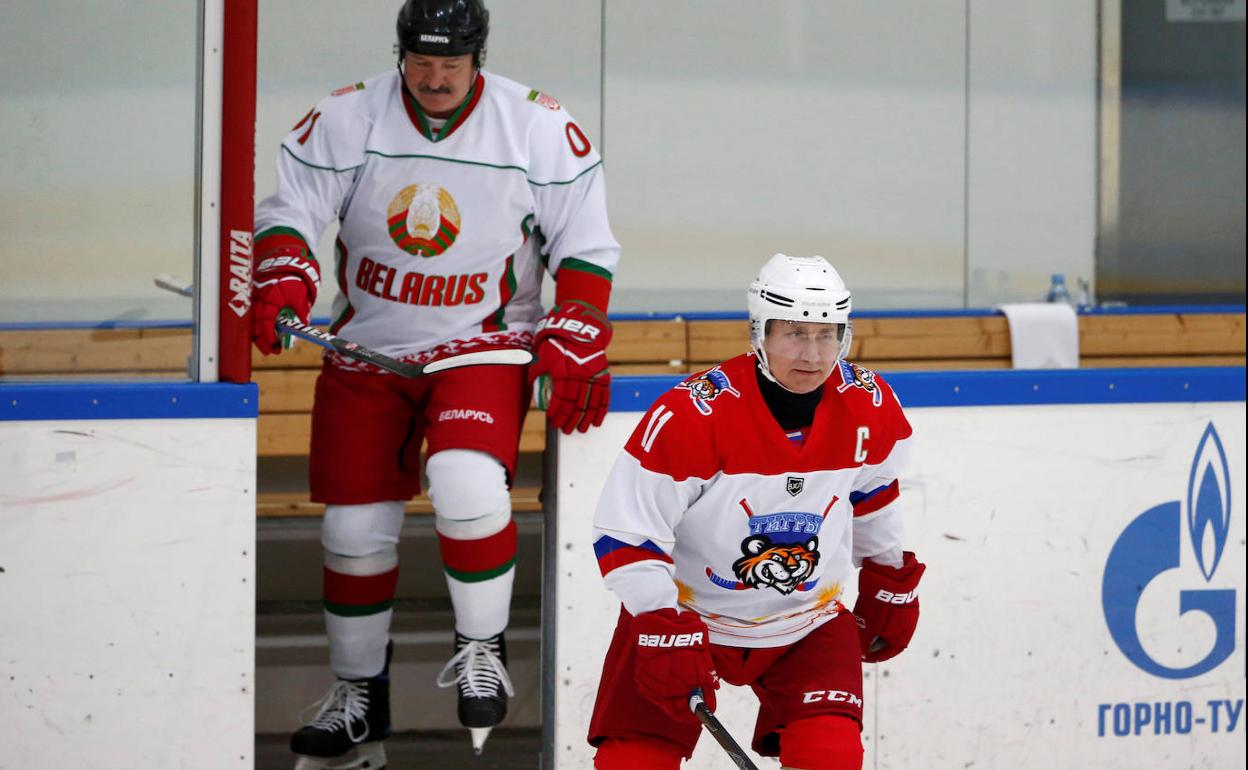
[1176, 234]
[97, 197]
[800, 127]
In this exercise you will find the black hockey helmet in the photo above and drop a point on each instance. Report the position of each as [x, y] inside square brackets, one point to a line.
[444, 28]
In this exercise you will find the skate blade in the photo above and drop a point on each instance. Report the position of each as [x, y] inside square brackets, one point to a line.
[479, 734]
[366, 756]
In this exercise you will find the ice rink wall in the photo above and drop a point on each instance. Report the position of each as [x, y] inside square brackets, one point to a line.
[1083, 604]
[127, 602]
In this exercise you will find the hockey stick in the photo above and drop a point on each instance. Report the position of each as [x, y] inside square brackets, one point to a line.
[504, 356]
[287, 325]
[697, 704]
[174, 284]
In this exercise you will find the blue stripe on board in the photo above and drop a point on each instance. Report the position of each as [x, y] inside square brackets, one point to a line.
[126, 401]
[38, 326]
[701, 315]
[737, 315]
[1010, 387]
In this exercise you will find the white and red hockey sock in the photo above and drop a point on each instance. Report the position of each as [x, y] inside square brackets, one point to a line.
[480, 574]
[359, 604]
[360, 581]
[476, 536]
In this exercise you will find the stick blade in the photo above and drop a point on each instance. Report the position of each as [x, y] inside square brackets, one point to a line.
[174, 284]
[504, 356]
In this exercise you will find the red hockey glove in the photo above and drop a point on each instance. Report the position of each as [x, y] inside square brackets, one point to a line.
[887, 607]
[571, 349]
[282, 281]
[673, 657]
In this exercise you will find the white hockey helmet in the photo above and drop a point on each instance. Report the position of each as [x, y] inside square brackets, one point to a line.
[797, 289]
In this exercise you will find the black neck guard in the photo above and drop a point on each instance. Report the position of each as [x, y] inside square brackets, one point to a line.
[791, 410]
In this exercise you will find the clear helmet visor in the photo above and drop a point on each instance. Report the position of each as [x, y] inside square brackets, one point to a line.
[793, 339]
[802, 345]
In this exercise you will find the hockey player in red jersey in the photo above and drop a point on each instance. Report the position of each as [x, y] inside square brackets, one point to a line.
[455, 190]
[729, 527]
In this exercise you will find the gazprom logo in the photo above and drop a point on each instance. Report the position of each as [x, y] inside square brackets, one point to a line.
[1209, 502]
[1152, 545]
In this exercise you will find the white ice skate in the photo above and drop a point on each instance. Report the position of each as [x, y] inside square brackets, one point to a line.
[479, 668]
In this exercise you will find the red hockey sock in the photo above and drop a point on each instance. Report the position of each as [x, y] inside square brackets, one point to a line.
[474, 561]
[358, 595]
[636, 752]
[825, 742]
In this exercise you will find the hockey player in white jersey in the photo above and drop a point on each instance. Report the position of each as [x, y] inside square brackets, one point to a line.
[729, 526]
[455, 190]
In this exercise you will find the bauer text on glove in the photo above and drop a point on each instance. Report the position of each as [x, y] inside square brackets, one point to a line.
[571, 350]
[887, 606]
[283, 281]
[673, 657]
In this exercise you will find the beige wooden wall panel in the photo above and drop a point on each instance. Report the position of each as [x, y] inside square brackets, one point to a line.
[1102, 362]
[86, 351]
[631, 341]
[647, 347]
[278, 504]
[875, 339]
[647, 341]
[302, 355]
[285, 390]
[290, 434]
[931, 338]
[1169, 334]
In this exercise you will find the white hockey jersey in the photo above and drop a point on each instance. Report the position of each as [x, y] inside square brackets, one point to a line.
[712, 507]
[444, 234]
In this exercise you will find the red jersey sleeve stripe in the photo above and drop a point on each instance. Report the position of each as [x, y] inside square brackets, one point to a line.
[872, 501]
[613, 554]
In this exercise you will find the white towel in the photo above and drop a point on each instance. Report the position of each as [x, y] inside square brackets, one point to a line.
[1043, 335]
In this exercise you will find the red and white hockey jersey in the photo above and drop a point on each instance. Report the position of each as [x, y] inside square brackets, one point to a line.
[712, 507]
[444, 232]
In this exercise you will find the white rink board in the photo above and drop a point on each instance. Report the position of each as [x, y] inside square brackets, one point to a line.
[1015, 510]
[127, 594]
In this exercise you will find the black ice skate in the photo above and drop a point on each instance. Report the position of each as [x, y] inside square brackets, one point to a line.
[350, 724]
[479, 668]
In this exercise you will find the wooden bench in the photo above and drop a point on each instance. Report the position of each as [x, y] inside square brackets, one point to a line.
[983, 342]
[274, 504]
[663, 346]
[637, 347]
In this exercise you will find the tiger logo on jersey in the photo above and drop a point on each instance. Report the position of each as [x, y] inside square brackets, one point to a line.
[855, 376]
[423, 220]
[783, 567]
[781, 552]
[707, 387]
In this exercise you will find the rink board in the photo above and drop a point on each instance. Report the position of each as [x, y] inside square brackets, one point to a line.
[127, 592]
[1016, 508]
